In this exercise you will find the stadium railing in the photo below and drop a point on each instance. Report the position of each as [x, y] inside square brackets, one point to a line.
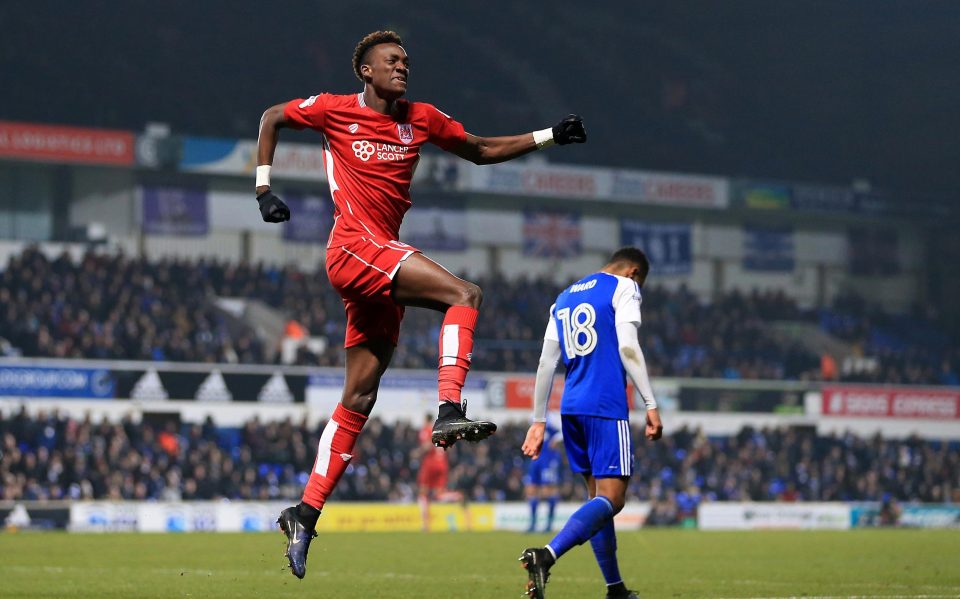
[235, 393]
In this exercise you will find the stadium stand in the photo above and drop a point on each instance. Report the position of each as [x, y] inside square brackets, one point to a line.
[53, 457]
[116, 307]
[113, 307]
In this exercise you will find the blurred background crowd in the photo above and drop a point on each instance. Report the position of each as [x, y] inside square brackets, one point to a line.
[110, 306]
[53, 457]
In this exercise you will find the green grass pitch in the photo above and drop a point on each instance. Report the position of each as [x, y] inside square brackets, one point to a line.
[657, 563]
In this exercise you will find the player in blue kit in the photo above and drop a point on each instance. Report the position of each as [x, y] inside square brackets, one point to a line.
[543, 478]
[593, 327]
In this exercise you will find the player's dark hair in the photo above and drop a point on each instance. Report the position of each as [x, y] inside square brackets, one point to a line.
[370, 40]
[633, 256]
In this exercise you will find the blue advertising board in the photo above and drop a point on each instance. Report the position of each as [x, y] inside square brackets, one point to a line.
[667, 245]
[175, 211]
[33, 381]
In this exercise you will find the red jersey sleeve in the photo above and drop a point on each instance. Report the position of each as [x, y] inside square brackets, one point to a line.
[309, 113]
[445, 132]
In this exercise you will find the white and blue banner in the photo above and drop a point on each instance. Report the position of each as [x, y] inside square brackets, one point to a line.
[35, 381]
[909, 515]
[592, 183]
[773, 515]
[667, 245]
[768, 249]
[219, 156]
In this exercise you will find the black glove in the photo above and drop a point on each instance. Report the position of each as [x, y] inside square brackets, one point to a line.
[570, 131]
[272, 208]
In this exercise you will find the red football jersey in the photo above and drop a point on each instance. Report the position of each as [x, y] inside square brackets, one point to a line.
[370, 158]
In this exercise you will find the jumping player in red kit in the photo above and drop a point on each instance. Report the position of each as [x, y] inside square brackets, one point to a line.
[371, 145]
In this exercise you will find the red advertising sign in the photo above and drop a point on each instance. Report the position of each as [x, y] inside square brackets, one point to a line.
[891, 402]
[518, 393]
[66, 144]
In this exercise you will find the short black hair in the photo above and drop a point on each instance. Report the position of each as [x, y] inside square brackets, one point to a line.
[370, 40]
[631, 255]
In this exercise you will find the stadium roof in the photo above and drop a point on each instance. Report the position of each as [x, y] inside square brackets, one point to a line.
[831, 92]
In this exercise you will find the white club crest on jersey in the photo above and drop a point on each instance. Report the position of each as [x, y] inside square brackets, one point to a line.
[353, 128]
[405, 130]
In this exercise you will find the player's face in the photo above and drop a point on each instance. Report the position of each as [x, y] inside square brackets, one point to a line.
[389, 68]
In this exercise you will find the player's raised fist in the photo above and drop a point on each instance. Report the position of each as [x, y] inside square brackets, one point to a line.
[570, 130]
[272, 208]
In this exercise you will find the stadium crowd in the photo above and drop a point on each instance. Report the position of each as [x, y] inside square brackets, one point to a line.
[53, 457]
[111, 306]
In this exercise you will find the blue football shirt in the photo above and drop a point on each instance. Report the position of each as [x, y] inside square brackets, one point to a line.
[584, 320]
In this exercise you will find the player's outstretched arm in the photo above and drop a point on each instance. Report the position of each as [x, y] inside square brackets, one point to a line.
[491, 150]
[272, 208]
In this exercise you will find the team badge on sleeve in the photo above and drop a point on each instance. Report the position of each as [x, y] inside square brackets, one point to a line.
[405, 130]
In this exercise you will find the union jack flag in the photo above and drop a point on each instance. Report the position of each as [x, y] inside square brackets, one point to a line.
[551, 234]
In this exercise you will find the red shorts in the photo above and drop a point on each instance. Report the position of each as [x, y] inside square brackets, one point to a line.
[432, 475]
[362, 272]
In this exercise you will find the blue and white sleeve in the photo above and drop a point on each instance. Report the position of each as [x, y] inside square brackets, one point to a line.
[626, 302]
[549, 357]
[626, 305]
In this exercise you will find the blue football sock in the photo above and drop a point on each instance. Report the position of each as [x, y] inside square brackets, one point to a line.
[604, 545]
[533, 512]
[582, 525]
[552, 509]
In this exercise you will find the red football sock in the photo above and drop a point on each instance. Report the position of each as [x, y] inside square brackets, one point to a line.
[456, 350]
[333, 454]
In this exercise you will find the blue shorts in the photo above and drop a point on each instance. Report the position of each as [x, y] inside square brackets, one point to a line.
[544, 470]
[598, 446]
